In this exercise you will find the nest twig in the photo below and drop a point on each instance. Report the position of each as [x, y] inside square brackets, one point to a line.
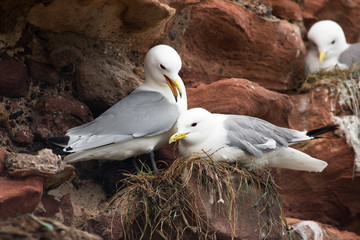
[161, 205]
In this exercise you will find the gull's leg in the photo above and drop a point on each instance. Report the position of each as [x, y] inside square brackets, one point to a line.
[152, 158]
[133, 159]
[266, 193]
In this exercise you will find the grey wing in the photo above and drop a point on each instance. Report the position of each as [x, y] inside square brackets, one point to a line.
[256, 136]
[350, 55]
[142, 113]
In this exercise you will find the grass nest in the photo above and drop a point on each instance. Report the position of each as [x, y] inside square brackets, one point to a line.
[162, 207]
[345, 83]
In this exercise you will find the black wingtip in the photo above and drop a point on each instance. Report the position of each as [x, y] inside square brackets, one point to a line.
[319, 131]
[59, 152]
[59, 141]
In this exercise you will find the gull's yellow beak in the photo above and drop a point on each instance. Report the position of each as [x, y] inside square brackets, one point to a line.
[177, 136]
[322, 56]
[174, 86]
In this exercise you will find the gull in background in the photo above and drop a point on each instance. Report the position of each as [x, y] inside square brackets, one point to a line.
[328, 48]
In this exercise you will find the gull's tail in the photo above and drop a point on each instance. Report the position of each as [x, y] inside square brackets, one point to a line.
[318, 131]
[291, 158]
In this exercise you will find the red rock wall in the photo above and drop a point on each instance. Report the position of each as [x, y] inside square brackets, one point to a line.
[58, 59]
[346, 13]
[225, 40]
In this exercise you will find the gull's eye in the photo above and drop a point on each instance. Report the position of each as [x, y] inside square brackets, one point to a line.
[333, 42]
[162, 67]
[194, 124]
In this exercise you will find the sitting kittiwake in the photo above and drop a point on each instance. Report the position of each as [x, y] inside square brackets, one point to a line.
[248, 140]
[139, 123]
[328, 48]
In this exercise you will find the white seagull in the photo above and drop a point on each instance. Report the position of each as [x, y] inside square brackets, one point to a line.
[139, 123]
[249, 140]
[328, 48]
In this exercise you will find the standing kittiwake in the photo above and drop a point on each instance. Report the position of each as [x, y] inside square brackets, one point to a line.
[139, 123]
[328, 48]
[248, 140]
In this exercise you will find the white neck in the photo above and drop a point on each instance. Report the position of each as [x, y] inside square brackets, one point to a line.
[152, 85]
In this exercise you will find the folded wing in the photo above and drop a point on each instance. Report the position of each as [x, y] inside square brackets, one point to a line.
[256, 136]
[141, 114]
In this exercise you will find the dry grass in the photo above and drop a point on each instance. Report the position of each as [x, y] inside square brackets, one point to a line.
[345, 83]
[162, 205]
[330, 78]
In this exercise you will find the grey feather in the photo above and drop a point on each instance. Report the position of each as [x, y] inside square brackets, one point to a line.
[250, 134]
[142, 113]
[350, 55]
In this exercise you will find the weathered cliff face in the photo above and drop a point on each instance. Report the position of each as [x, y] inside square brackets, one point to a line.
[63, 62]
[343, 12]
[226, 40]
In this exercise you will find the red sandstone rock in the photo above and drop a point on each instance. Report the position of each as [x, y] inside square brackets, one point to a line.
[4, 116]
[248, 216]
[224, 40]
[63, 57]
[19, 195]
[4, 139]
[77, 204]
[24, 136]
[51, 206]
[103, 82]
[21, 190]
[3, 153]
[180, 4]
[312, 109]
[67, 105]
[13, 77]
[42, 72]
[344, 12]
[321, 196]
[63, 174]
[25, 39]
[285, 9]
[54, 115]
[66, 207]
[240, 96]
[81, 206]
[44, 163]
[140, 23]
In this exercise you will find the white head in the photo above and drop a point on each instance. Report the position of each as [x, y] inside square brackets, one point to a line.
[162, 66]
[329, 39]
[194, 126]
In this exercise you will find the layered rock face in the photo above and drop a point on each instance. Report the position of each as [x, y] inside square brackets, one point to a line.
[64, 62]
